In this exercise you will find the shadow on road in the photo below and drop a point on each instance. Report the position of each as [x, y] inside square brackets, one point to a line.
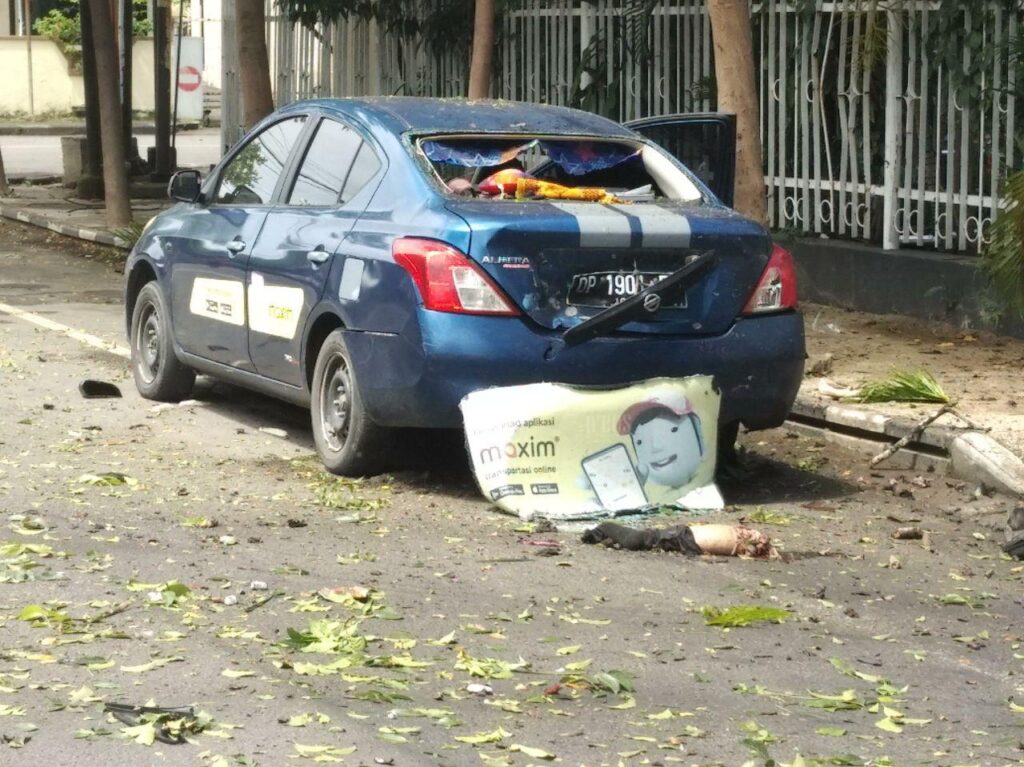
[435, 460]
[431, 460]
[774, 481]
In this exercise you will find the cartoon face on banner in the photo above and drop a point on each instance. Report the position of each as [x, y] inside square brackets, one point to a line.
[564, 452]
[667, 439]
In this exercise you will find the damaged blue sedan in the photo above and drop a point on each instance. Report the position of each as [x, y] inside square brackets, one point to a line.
[378, 259]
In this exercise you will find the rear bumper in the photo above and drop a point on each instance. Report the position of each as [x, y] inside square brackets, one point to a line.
[418, 377]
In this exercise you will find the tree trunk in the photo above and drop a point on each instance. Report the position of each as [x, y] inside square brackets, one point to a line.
[483, 50]
[4, 188]
[254, 72]
[127, 36]
[115, 171]
[737, 93]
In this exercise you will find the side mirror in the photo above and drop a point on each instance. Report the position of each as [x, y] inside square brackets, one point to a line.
[184, 186]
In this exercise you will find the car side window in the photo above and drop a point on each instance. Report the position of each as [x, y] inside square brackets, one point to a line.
[252, 174]
[327, 162]
[363, 170]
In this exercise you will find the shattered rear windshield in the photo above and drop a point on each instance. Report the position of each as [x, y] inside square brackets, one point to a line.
[583, 169]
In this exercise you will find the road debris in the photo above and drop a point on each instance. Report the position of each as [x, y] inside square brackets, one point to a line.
[678, 538]
[904, 386]
[170, 725]
[821, 366]
[908, 534]
[913, 434]
[93, 389]
[273, 431]
[721, 540]
[1014, 545]
[835, 391]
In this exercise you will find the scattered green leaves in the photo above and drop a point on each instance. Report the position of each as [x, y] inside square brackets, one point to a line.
[743, 615]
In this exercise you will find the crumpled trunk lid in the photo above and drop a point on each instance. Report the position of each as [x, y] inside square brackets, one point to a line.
[563, 262]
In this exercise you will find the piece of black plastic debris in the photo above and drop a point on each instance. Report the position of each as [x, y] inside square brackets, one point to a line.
[133, 715]
[676, 538]
[93, 389]
[1015, 545]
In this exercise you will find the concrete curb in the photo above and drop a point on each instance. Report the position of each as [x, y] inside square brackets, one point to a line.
[976, 456]
[963, 453]
[70, 128]
[969, 455]
[78, 232]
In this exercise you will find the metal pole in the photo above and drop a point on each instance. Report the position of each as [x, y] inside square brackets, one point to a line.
[28, 48]
[893, 137]
[161, 89]
[231, 97]
[177, 73]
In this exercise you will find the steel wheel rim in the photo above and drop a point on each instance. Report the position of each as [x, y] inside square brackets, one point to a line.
[148, 343]
[336, 403]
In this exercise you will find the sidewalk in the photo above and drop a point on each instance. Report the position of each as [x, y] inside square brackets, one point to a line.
[53, 207]
[978, 370]
[67, 127]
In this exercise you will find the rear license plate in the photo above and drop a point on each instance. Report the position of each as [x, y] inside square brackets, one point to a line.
[602, 289]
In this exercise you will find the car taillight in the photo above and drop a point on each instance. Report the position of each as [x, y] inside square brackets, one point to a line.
[447, 280]
[776, 290]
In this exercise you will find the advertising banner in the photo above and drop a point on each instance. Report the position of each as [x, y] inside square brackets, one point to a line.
[566, 452]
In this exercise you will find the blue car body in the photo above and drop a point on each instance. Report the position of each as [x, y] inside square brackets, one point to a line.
[334, 265]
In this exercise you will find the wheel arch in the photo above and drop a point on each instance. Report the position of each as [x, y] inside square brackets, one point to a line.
[321, 326]
[142, 273]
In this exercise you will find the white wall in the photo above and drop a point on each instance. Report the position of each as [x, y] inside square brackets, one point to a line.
[56, 90]
[53, 86]
[206, 23]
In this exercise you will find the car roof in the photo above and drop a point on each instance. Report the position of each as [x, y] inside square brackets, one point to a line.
[402, 114]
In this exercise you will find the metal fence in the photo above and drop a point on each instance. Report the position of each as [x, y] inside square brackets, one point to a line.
[355, 58]
[879, 149]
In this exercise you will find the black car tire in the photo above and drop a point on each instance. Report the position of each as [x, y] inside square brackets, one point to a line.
[347, 440]
[158, 373]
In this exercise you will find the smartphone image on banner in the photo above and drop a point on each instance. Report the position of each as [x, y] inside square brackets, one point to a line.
[614, 479]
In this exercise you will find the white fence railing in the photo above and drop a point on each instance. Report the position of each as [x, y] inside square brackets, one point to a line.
[882, 150]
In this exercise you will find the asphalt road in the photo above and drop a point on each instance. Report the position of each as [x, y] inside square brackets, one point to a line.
[893, 652]
[41, 155]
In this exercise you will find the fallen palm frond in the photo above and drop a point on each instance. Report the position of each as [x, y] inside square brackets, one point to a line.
[130, 234]
[903, 386]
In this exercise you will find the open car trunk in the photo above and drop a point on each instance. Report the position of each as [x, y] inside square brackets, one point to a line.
[562, 262]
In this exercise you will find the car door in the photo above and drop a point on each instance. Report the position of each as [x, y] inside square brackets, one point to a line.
[704, 143]
[210, 252]
[294, 253]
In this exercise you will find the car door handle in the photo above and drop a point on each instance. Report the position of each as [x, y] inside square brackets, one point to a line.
[317, 256]
[236, 246]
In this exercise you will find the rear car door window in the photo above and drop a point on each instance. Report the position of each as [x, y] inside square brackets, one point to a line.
[363, 170]
[322, 174]
[252, 174]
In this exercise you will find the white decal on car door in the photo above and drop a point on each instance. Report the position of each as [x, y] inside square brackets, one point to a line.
[221, 300]
[274, 309]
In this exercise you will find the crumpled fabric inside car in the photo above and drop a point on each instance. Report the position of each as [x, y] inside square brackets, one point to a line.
[577, 158]
[474, 154]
